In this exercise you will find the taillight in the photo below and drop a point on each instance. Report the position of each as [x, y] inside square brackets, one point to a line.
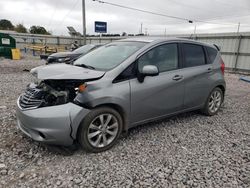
[222, 66]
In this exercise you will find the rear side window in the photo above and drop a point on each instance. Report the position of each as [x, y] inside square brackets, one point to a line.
[212, 53]
[193, 55]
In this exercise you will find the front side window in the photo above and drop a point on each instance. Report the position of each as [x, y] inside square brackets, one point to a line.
[193, 55]
[165, 57]
[109, 56]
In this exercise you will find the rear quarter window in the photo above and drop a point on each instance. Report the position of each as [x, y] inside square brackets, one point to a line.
[212, 53]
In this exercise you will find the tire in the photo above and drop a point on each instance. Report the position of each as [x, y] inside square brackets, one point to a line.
[100, 129]
[213, 103]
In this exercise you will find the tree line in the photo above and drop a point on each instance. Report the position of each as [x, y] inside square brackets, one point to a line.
[20, 28]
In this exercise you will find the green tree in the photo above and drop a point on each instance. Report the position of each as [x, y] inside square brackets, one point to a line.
[20, 28]
[6, 25]
[38, 30]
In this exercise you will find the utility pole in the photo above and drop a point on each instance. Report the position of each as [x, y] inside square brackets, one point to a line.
[83, 22]
[194, 29]
[141, 28]
[238, 28]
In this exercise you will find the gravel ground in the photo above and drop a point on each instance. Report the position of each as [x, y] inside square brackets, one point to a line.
[188, 150]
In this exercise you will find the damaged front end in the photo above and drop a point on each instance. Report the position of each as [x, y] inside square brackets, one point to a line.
[56, 85]
[46, 110]
[49, 93]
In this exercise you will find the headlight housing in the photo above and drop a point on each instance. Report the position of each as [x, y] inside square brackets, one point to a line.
[64, 59]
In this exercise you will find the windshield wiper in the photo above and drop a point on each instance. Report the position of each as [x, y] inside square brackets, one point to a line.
[85, 66]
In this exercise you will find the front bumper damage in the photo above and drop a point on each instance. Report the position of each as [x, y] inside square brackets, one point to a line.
[55, 125]
[46, 111]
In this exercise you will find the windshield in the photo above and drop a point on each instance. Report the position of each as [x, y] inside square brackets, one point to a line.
[110, 55]
[84, 49]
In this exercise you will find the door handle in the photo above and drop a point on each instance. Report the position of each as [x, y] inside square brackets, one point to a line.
[209, 70]
[177, 77]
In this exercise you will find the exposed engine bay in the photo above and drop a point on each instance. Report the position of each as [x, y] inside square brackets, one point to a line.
[49, 93]
[56, 84]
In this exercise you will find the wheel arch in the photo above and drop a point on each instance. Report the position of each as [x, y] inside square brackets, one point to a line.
[116, 107]
[221, 84]
[223, 89]
[120, 110]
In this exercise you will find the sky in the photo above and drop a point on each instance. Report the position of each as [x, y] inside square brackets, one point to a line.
[211, 16]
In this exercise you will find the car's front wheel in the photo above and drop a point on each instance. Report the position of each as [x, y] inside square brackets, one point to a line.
[100, 129]
[214, 102]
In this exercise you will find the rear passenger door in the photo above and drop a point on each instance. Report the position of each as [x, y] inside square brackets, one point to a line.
[196, 73]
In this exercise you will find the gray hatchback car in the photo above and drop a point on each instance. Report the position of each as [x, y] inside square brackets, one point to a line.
[118, 86]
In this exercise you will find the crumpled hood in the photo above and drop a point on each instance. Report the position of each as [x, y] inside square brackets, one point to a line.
[65, 72]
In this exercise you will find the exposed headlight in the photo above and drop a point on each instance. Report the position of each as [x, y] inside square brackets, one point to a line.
[35, 76]
[81, 88]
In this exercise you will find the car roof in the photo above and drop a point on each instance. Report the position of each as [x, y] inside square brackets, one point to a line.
[141, 39]
[164, 39]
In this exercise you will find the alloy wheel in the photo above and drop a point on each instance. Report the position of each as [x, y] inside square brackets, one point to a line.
[214, 101]
[103, 130]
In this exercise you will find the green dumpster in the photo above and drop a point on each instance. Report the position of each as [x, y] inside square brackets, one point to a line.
[6, 44]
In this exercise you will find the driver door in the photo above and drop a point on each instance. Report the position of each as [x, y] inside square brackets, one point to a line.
[158, 95]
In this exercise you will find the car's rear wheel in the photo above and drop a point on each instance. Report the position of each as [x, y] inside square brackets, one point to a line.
[100, 129]
[213, 102]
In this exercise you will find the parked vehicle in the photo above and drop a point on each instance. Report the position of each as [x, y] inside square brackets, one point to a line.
[70, 57]
[119, 86]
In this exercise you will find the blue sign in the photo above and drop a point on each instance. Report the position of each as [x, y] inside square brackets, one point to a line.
[100, 27]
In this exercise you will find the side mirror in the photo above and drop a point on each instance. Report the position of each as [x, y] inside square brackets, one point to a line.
[150, 70]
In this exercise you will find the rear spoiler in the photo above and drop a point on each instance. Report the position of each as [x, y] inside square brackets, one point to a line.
[217, 47]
